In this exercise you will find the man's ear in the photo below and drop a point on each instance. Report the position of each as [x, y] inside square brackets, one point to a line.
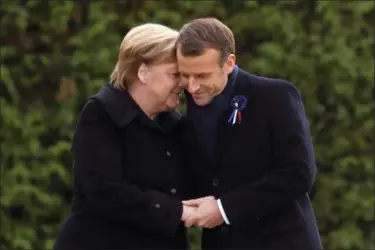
[230, 63]
[142, 73]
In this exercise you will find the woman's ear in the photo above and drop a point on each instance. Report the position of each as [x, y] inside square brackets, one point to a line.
[142, 73]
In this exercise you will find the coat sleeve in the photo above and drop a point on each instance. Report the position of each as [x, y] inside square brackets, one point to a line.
[98, 156]
[190, 171]
[294, 166]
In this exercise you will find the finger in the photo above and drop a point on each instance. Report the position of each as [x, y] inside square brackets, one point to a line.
[195, 202]
[213, 223]
[209, 222]
[208, 198]
[189, 222]
[189, 202]
[202, 222]
[210, 225]
[196, 218]
[205, 224]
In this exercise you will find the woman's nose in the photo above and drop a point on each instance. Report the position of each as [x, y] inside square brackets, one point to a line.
[182, 84]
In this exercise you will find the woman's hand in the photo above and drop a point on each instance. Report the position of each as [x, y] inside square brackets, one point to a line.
[188, 211]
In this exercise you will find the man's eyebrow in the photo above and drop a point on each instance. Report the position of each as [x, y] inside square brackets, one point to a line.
[197, 73]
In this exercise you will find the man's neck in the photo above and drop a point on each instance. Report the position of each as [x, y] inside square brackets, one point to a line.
[222, 88]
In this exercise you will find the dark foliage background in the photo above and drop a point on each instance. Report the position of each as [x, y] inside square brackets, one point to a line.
[54, 54]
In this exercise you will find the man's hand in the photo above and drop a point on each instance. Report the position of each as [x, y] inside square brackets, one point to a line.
[187, 212]
[197, 202]
[207, 215]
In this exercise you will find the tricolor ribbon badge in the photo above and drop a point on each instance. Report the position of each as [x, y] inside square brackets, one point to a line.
[238, 103]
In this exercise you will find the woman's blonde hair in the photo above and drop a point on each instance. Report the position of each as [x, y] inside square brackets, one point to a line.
[147, 43]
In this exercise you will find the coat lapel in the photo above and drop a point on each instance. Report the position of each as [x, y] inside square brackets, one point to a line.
[226, 131]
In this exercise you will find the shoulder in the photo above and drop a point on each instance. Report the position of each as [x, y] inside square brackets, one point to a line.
[93, 124]
[112, 104]
[267, 88]
[93, 111]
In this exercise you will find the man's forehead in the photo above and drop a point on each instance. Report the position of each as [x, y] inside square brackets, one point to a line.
[195, 70]
[206, 61]
[197, 67]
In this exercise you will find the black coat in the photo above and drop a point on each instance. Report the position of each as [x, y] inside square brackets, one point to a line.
[263, 171]
[128, 178]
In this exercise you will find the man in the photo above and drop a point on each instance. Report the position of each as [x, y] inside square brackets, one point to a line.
[252, 154]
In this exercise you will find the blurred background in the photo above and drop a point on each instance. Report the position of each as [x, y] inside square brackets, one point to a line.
[55, 54]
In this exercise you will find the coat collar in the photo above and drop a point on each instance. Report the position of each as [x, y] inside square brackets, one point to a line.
[119, 105]
[227, 132]
[122, 109]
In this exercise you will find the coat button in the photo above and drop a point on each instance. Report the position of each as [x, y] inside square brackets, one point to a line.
[215, 182]
[157, 206]
[173, 191]
[168, 153]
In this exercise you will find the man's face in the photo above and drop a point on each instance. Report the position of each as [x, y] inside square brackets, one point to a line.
[203, 76]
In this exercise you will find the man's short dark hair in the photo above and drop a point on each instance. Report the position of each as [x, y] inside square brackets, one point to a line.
[206, 33]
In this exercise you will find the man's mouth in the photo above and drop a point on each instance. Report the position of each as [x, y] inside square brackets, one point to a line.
[197, 95]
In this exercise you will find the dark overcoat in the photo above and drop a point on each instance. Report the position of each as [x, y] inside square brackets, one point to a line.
[263, 171]
[128, 178]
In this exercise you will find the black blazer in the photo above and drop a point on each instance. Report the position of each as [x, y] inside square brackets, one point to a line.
[128, 178]
[263, 172]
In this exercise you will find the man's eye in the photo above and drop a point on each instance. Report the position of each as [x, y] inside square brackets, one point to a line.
[201, 76]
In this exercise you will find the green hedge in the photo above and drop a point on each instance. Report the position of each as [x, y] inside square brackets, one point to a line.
[56, 54]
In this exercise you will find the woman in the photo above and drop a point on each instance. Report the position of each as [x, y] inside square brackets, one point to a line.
[128, 160]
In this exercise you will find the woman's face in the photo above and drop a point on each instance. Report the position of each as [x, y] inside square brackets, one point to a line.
[163, 80]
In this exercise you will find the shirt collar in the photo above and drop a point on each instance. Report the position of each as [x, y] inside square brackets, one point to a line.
[227, 93]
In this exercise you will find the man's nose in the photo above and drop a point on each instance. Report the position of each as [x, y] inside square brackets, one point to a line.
[192, 86]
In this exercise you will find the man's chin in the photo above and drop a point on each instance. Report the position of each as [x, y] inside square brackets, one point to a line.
[201, 101]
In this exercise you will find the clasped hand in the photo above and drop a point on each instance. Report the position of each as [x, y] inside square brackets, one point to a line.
[203, 212]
